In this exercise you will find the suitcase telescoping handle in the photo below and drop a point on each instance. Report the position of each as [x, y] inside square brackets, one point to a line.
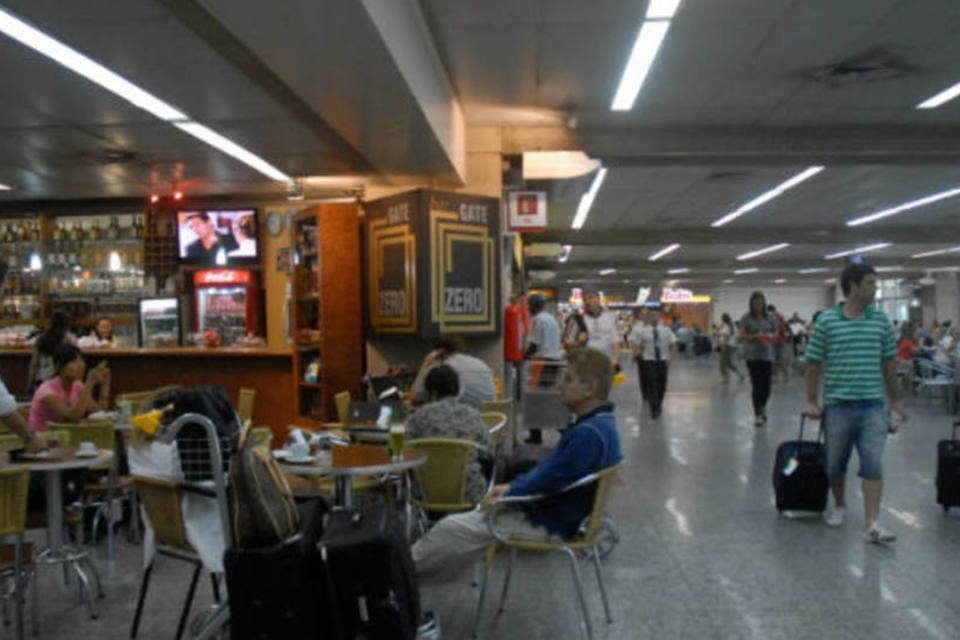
[803, 418]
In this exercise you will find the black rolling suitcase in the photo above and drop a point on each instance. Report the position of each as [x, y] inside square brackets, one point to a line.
[799, 475]
[948, 471]
[370, 576]
[274, 593]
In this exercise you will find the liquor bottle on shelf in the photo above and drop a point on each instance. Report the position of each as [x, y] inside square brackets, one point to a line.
[113, 231]
[59, 233]
[95, 232]
[137, 227]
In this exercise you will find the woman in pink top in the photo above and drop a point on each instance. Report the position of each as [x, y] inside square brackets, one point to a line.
[64, 397]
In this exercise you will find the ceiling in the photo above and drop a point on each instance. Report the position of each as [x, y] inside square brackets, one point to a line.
[744, 94]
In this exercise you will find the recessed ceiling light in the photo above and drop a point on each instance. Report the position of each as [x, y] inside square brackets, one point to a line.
[626, 280]
[607, 272]
[586, 200]
[938, 252]
[760, 252]
[943, 97]
[123, 88]
[888, 269]
[779, 281]
[768, 196]
[565, 255]
[4, 187]
[663, 252]
[743, 271]
[850, 252]
[728, 281]
[814, 270]
[831, 280]
[906, 206]
[679, 270]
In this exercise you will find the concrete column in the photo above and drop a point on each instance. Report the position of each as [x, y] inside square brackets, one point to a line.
[946, 297]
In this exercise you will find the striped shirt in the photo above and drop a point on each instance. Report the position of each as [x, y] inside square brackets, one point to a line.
[853, 351]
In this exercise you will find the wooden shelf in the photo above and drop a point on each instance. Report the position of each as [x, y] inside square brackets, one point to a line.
[311, 385]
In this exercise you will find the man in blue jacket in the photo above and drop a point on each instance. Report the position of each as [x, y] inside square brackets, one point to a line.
[588, 445]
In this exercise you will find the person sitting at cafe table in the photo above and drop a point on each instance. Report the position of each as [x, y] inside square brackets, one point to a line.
[447, 417]
[476, 378]
[65, 397]
[587, 446]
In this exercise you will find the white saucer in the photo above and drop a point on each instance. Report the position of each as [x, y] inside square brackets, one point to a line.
[299, 460]
[281, 454]
[90, 454]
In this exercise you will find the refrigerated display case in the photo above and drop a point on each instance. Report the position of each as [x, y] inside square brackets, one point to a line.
[159, 321]
[227, 303]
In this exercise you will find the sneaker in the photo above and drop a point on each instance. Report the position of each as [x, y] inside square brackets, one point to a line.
[835, 517]
[878, 535]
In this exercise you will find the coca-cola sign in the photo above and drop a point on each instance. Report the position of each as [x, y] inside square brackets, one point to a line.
[222, 276]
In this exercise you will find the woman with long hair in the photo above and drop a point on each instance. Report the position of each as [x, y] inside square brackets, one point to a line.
[727, 338]
[65, 397]
[57, 333]
[758, 328]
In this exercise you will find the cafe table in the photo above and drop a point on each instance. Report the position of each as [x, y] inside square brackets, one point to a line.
[73, 557]
[350, 460]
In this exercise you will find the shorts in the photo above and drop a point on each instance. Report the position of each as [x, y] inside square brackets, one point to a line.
[855, 423]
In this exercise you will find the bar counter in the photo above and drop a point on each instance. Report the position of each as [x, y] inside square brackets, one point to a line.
[268, 371]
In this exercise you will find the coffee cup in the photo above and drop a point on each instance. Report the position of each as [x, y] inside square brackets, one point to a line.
[299, 449]
[87, 448]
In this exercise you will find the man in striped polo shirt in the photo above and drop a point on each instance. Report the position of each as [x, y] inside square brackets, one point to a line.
[853, 347]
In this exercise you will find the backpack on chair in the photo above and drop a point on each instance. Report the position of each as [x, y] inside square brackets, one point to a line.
[264, 513]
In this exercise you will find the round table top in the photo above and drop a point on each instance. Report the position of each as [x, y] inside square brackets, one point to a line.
[356, 460]
[59, 460]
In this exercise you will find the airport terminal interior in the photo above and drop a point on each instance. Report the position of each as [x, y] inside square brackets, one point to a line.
[300, 201]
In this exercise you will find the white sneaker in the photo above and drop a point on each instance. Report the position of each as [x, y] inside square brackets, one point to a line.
[835, 517]
[878, 535]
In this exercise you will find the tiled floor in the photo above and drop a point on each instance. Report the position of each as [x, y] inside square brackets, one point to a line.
[703, 552]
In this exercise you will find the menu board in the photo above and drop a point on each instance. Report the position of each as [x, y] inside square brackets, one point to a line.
[433, 264]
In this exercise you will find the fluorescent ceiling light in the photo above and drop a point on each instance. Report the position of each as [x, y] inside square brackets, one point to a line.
[663, 252]
[586, 200]
[4, 187]
[680, 270]
[906, 206]
[938, 99]
[850, 252]
[779, 281]
[938, 252]
[760, 252]
[728, 281]
[743, 271]
[644, 52]
[768, 196]
[607, 272]
[831, 280]
[231, 148]
[662, 9]
[814, 270]
[888, 269]
[565, 254]
[81, 64]
[626, 280]
[123, 88]
[557, 165]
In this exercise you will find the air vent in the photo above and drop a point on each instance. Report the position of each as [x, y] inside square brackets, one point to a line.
[873, 65]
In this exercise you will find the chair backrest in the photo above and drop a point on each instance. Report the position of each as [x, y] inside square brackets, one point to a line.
[142, 401]
[443, 477]
[9, 442]
[161, 500]
[342, 400]
[262, 436]
[597, 512]
[496, 425]
[14, 485]
[246, 399]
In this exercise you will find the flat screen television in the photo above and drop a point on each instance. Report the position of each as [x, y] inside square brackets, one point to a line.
[218, 237]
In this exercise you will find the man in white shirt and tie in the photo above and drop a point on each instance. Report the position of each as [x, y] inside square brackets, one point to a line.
[654, 344]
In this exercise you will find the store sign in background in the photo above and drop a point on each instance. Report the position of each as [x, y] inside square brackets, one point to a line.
[432, 264]
[527, 210]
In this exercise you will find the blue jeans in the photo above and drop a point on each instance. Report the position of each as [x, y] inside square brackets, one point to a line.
[860, 423]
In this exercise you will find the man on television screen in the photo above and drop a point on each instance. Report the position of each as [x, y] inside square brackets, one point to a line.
[209, 241]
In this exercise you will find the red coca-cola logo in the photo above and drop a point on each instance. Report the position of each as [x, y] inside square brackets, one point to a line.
[222, 276]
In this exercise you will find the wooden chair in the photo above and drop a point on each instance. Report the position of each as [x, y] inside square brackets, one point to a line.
[16, 562]
[161, 501]
[246, 399]
[342, 400]
[585, 540]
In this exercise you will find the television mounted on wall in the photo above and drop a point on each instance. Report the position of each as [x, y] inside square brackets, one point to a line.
[218, 237]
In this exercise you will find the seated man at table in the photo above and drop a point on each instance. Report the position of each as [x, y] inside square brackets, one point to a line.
[64, 397]
[476, 378]
[588, 445]
[447, 417]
